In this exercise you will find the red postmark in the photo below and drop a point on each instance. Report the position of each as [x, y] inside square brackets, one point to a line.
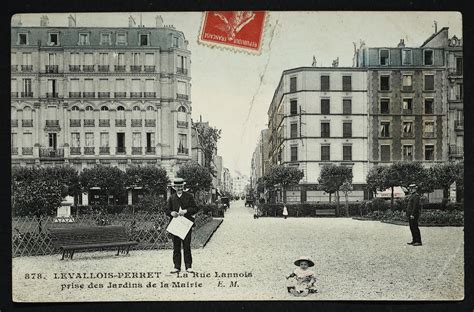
[238, 29]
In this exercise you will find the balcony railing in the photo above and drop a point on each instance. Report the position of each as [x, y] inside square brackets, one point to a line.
[26, 68]
[407, 135]
[119, 68]
[136, 150]
[149, 68]
[104, 123]
[14, 94]
[135, 94]
[74, 94]
[74, 122]
[52, 69]
[182, 71]
[89, 122]
[74, 68]
[14, 123]
[183, 150]
[104, 94]
[120, 150]
[14, 68]
[135, 68]
[459, 124]
[455, 150]
[120, 94]
[149, 94]
[104, 150]
[14, 150]
[52, 94]
[27, 150]
[182, 96]
[88, 94]
[75, 150]
[182, 124]
[150, 150]
[89, 150]
[51, 153]
[137, 122]
[88, 68]
[27, 94]
[120, 122]
[103, 68]
[52, 123]
[27, 123]
[150, 123]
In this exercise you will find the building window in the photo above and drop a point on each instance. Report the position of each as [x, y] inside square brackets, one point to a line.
[325, 130]
[429, 152]
[347, 152]
[75, 139]
[407, 106]
[384, 83]
[428, 129]
[428, 57]
[385, 129]
[144, 40]
[429, 82]
[347, 106]
[22, 39]
[294, 153]
[294, 130]
[384, 152]
[325, 107]
[407, 129]
[293, 84]
[459, 62]
[384, 57]
[84, 39]
[105, 39]
[406, 57]
[385, 106]
[407, 152]
[429, 106]
[347, 129]
[27, 87]
[346, 83]
[325, 84]
[121, 39]
[293, 107]
[175, 42]
[53, 39]
[407, 82]
[325, 152]
[182, 143]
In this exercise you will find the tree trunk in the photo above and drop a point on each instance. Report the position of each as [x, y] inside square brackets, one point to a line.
[391, 198]
[330, 197]
[40, 228]
[347, 203]
[337, 202]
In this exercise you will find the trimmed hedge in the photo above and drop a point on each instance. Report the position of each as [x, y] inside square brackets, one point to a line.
[427, 217]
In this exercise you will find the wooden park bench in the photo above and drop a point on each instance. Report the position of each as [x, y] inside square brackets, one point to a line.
[91, 237]
[331, 212]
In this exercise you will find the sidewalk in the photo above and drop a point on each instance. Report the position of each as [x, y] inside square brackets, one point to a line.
[354, 261]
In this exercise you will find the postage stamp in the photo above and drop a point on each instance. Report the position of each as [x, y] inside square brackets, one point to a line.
[237, 30]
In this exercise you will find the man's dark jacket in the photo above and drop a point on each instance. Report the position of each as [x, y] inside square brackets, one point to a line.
[413, 206]
[186, 201]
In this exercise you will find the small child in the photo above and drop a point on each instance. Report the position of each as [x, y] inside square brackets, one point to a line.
[302, 279]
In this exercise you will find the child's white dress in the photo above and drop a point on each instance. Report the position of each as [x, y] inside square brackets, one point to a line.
[302, 282]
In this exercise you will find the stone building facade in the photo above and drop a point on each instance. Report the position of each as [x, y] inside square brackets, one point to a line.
[93, 95]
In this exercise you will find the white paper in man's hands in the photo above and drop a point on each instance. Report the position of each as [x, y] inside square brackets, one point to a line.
[179, 226]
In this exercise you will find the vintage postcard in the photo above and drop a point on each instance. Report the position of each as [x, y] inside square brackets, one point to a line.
[293, 155]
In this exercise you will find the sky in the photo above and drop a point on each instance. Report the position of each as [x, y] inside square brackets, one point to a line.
[233, 90]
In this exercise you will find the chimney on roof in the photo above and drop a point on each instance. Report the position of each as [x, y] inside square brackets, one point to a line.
[131, 22]
[159, 21]
[71, 21]
[44, 21]
[401, 44]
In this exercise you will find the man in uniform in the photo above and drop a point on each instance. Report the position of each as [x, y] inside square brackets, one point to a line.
[413, 214]
[181, 204]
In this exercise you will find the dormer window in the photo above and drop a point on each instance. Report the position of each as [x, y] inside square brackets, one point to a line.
[175, 42]
[406, 57]
[384, 57]
[105, 39]
[121, 39]
[22, 39]
[144, 40]
[53, 39]
[428, 57]
[84, 39]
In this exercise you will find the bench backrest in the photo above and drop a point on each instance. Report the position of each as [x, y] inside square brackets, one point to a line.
[89, 234]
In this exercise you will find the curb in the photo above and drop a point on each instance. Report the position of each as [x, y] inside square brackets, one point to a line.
[406, 223]
[212, 233]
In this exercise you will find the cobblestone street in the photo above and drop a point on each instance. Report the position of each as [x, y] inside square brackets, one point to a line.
[354, 260]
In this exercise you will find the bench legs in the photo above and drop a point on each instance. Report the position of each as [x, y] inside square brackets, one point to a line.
[67, 254]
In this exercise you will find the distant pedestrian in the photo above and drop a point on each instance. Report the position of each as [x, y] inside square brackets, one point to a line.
[302, 280]
[285, 212]
[413, 215]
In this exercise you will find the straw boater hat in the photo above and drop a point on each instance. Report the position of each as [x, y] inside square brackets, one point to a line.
[178, 182]
[413, 185]
[304, 258]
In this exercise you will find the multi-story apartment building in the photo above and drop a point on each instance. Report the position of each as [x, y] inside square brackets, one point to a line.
[260, 163]
[226, 180]
[100, 95]
[318, 115]
[408, 111]
[239, 183]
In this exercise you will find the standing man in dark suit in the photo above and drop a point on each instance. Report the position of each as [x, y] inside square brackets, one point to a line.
[413, 215]
[182, 204]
